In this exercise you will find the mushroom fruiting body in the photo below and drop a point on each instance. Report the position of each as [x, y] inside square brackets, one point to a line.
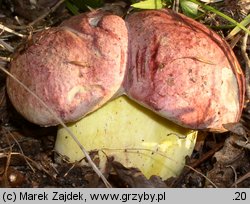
[183, 71]
[133, 135]
[164, 61]
[74, 68]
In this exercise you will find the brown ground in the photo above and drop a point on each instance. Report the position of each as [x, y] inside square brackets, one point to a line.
[26, 150]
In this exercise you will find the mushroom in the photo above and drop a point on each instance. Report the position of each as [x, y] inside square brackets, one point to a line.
[74, 68]
[80, 65]
[132, 135]
[173, 66]
[183, 71]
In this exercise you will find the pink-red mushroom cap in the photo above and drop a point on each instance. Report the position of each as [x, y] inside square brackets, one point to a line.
[183, 71]
[165, 61]
[74, 68]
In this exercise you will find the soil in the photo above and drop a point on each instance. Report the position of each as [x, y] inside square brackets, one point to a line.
[27, 156]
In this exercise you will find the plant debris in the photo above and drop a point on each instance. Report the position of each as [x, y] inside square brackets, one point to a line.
[27, 156]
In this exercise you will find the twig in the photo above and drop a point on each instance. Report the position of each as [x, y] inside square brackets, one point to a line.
[6, 46]
[5, 59]
[243, 144]
[246, 176]
[2, 99]
[72, 167]
[19, 146]
[176, 5]
[207, 155]
[235, 40]
[192, 165]
[135, 150]
[235, 176]
[7, 167]
[2, 27]
[36, 165]
[50, 10]
[7, 162]
[202, 175]
[44, 15]
[247, 64]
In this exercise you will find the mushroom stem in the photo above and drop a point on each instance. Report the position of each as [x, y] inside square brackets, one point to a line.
[133, 136]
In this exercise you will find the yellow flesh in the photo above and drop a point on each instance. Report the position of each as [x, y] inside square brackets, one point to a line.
[133, 135]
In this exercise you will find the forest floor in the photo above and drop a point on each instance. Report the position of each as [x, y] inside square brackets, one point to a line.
[27, 156]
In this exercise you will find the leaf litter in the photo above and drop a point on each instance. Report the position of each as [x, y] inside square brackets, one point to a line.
[27, 158]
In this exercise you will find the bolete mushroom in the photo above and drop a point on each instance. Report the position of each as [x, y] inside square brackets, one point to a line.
[74, 68]
[132, 135]
[183, 71]
[165, 61]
